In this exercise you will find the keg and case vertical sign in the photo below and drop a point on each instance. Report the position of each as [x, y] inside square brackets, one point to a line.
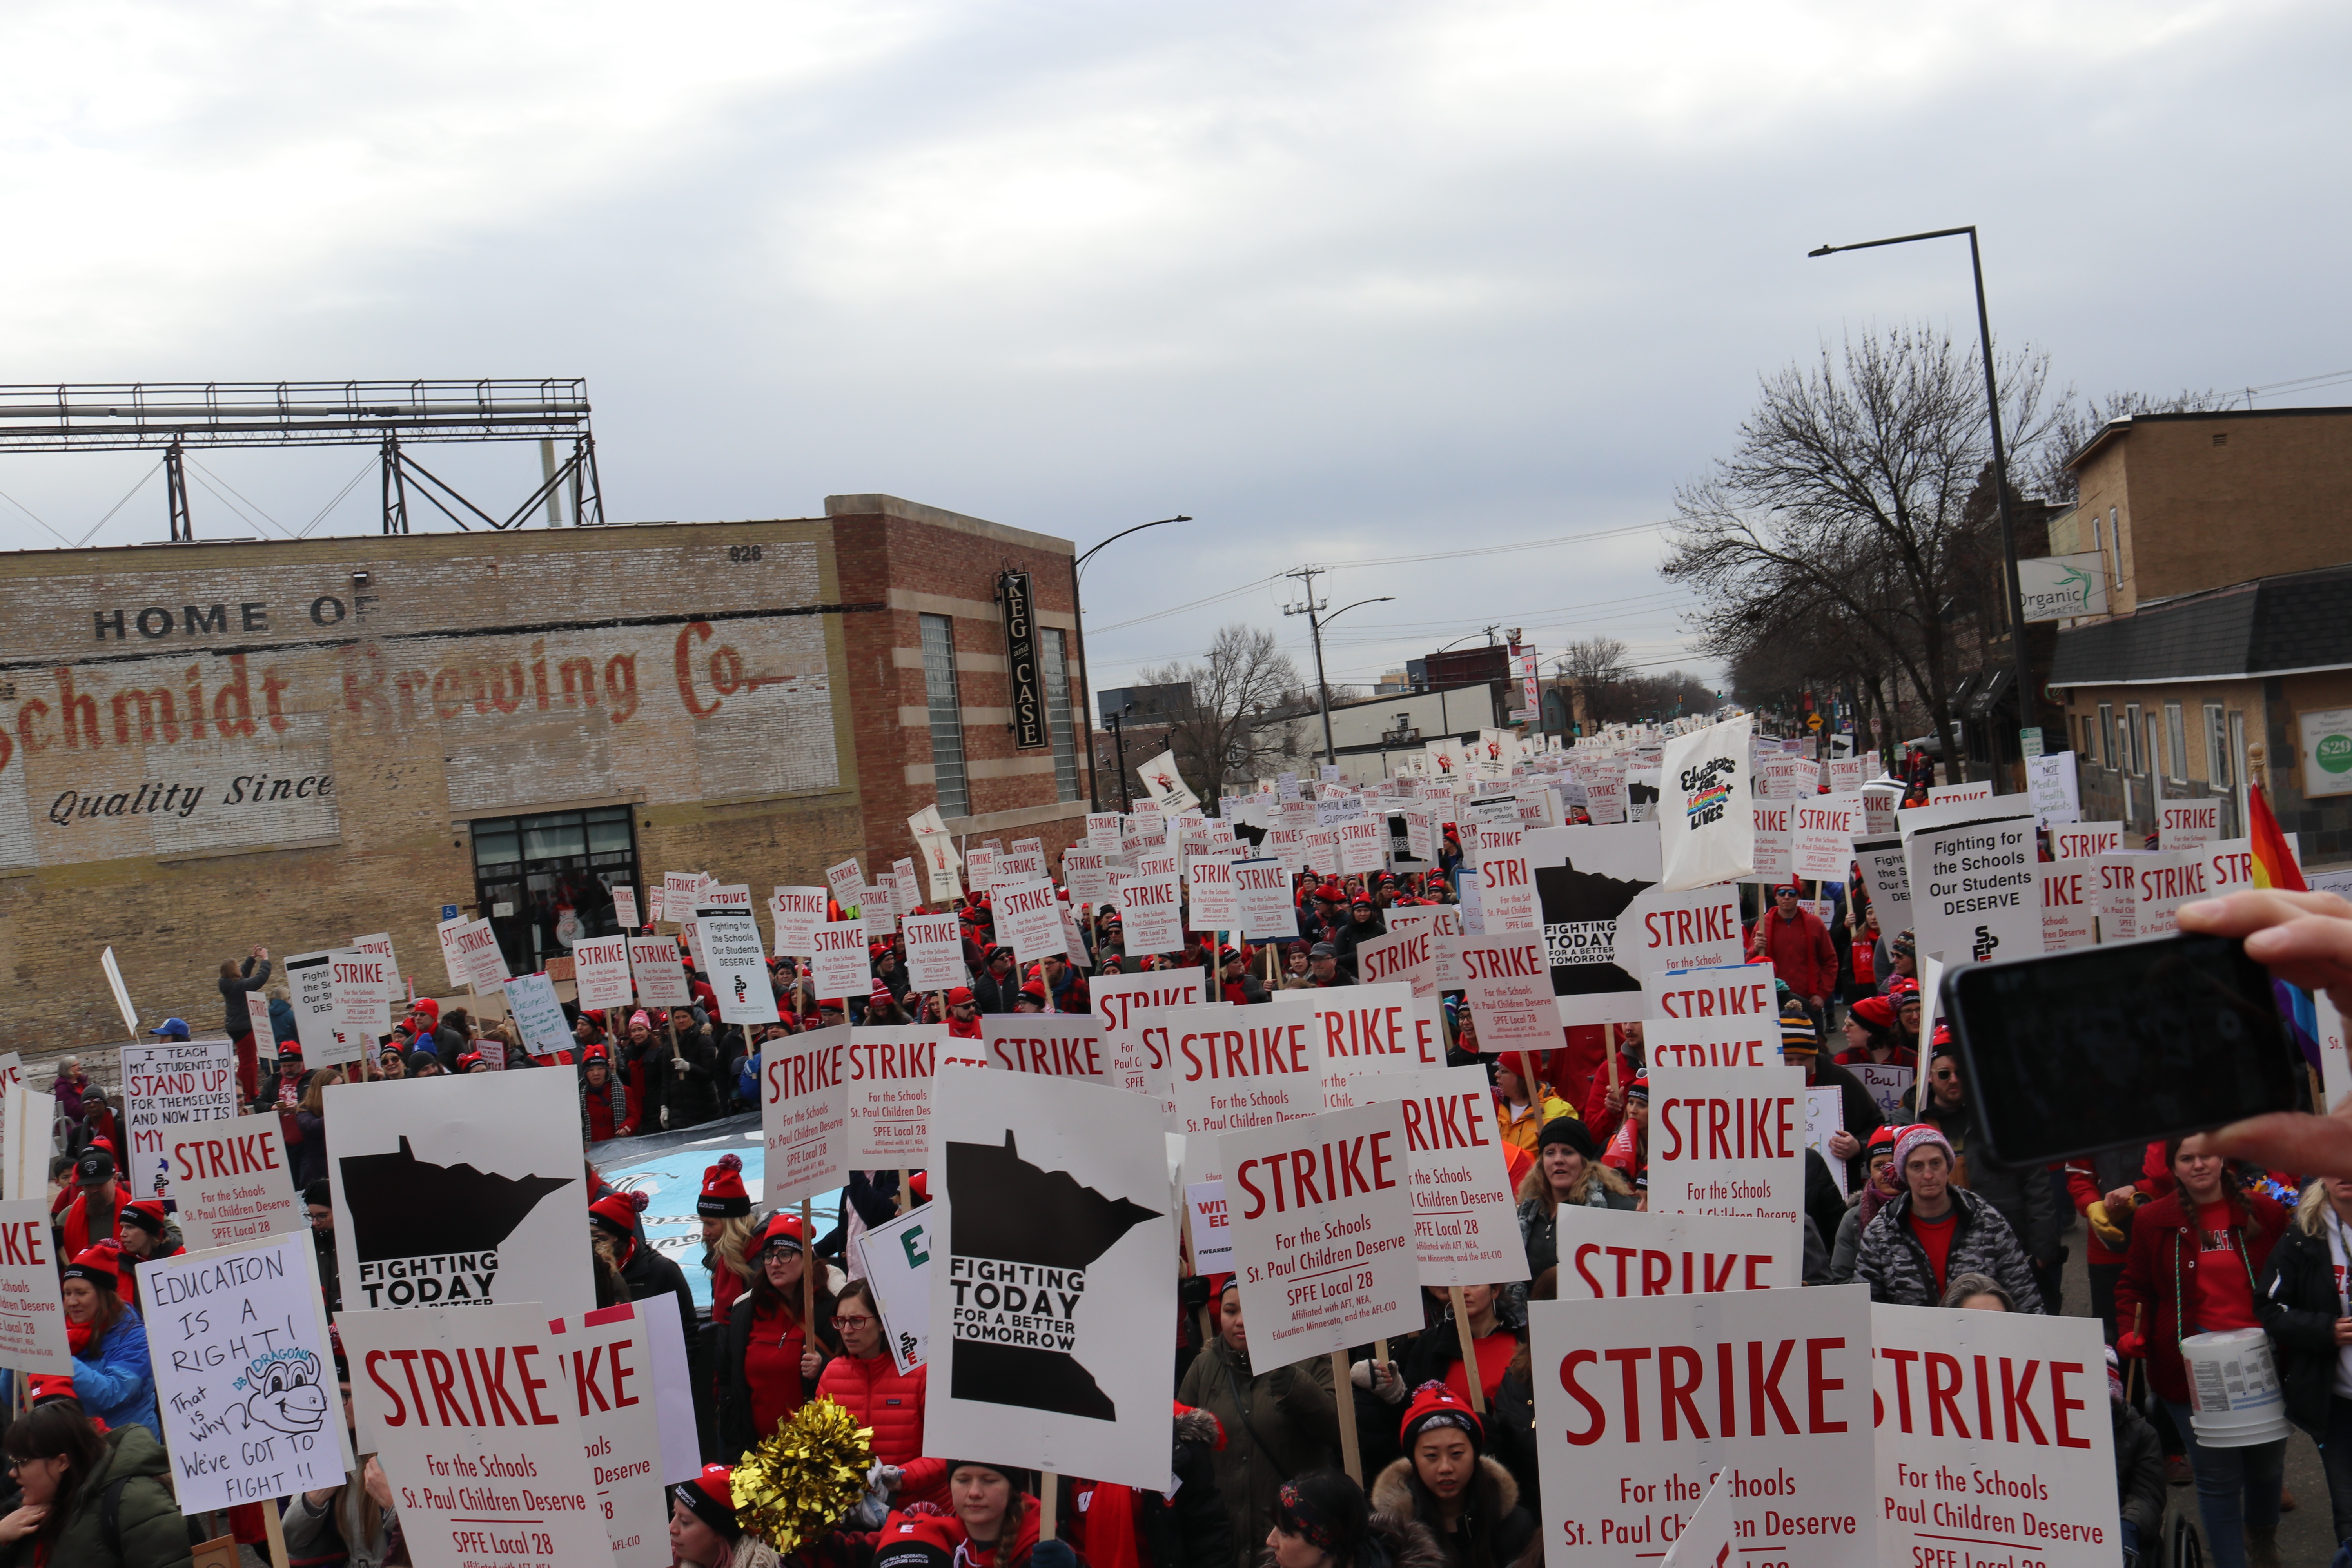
[1030, 731]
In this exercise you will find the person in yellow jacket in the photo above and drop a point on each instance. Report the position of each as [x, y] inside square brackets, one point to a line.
[1519, 1118]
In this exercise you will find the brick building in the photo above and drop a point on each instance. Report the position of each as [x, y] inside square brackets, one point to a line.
[205, 746]
[2225, 542]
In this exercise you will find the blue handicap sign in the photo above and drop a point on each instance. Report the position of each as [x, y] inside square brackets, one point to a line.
[448, 911]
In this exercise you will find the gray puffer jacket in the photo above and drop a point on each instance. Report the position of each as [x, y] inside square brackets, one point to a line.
[1895, 1267]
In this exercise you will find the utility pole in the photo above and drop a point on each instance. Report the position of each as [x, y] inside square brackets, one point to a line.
[1311, 608]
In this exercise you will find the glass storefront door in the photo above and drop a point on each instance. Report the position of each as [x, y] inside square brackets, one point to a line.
[545, 881]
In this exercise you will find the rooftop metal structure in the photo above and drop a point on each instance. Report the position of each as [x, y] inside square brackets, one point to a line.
[170, 417]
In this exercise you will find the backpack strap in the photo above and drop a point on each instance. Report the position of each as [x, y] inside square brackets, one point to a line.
[110, 1515]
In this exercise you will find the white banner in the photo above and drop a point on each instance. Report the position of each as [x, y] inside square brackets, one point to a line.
[934, 952]
[1235, 1068]
[840, 966]
[244, 1373]
[1820, 836]
[1705, 831]
[1028, 919]
[1410, 959]
[2067, 904]
[660, 977]
[1050, 1045]
[1166, 785]
[538, 1015]
[1606, 1254]
[1507, 980]
[167, 1083]
[232, 1183]
[1974, 890]
[459, 1191]
[310, 992]
[1641, 1403]
[1140, 1060]
[2187, 824]
[1958, 1399]
[1052, 1198]
[896, 1259]
[804, 1114]
[500, 1481]
[1321, 1212]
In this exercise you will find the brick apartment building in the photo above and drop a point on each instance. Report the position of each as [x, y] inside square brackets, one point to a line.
[208, 746]
[2225, 543]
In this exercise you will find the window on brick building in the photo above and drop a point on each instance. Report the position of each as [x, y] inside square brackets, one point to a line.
[939, 693]
[545, 881]
[1054, 654]
[2176, 744]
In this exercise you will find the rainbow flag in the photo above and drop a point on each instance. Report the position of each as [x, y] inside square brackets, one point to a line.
[2274, 867]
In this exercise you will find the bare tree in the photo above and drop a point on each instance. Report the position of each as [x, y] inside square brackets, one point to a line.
[1598, 667]
[1218, 735]
[2048, 477]
[1850, 492]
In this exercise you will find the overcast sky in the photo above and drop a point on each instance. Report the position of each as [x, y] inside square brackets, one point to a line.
[1345, 283]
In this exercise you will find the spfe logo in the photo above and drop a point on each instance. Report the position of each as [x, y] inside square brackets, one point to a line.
[1981, 949]
[1707, 789]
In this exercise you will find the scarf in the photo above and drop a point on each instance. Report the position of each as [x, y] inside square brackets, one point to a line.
[1879, 1191]
[79, 1335]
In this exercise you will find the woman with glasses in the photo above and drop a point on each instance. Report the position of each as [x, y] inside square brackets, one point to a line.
[770, 1360]
[66, 1465]
[866, 1381]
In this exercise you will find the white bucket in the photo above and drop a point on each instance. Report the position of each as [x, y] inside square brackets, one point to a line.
[2233, 1389]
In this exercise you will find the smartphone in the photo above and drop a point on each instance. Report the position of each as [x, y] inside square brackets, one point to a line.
[2108, 1046]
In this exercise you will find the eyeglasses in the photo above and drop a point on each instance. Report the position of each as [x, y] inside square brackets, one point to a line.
[851, 1323]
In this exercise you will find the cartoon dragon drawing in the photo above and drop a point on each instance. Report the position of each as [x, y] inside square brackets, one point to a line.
[286, 1395]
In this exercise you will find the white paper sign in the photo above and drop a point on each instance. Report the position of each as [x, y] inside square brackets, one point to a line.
[1465, 1227]
[1822, 832]
[1028, 919]
[310, 992]
[896, 1259]
[1151, 915]
[1322, 1223]
[2186, 824]
[607, 1358]
[1507, 980]
[889, 1095]
[1975, 895]
[1606, 1254]
[804, 1114]
[32, 1318]
[1728, 1142]
[164, 1084]
[934, 952]
[459, 1191]
[497, 1482]
[735, 964]
[2068, 903]
[485, 962]
[624, 909]
[1209, 1227]
[244, 1375]
[232, 1181]
[1057, 1286]
[1124, 1006]
[841, 967]
[2086, 840]
[1410, 959]
[1234, 1070]
[1705, 831]
[660, 978]
[1887, 1083]
[538, 1013]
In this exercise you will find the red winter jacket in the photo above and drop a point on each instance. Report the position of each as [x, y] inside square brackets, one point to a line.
[891, 1403]
[2164, 1254]
[1799, 949]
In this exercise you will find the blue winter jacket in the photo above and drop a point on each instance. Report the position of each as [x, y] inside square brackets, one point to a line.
[114, 1380]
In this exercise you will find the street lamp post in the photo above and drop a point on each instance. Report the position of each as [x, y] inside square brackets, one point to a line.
[1315, 626]
[1078, 620]
[2026, 705]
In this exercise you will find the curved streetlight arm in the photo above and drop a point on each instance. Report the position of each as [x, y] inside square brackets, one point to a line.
[1079, 622]
[1122, 533]
[1343, 609]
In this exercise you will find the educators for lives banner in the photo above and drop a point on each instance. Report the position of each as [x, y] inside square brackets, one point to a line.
[1052, 1276]
[1321, 1211]
[487, 1471]
[1642, 1405]
[244, 1373]
[804, 1114]
[1993, 1439]
[460, 1192]
[1706, 832]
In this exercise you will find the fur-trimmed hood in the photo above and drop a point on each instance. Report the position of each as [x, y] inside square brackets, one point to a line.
[1392, 1490]
[1407, 1543]
[1194, 1426]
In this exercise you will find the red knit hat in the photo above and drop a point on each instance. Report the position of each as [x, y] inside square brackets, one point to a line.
[1434, 1405]
[52, 1385]
[101, 1264]
[711, 1498]
[784, 1231]
[147, 1213]
[1875, 1011]
[723, 1197]
[617, 1213]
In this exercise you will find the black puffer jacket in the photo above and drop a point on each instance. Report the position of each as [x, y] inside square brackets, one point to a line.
[1895, 1267]
[2299, 1306]
[2139, 1472]
[1189, 1528]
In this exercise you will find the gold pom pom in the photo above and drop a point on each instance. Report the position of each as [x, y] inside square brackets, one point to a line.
[800, 1481]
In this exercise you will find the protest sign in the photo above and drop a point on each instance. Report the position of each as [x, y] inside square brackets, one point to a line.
[453, 958]
[1705, 1540]
[2186, 824]
[244, 1373]
[934, 952]
[538, 1013]
[1151, 915]
[607, 1359]
[1214, 905]
[1321, 1211]
[1972, 1447]
[1209, 1228]
[600, 969]
[383, 981]
[1886, 1083]
[500, 1481]
[32, 1318]
[231, 1180]
[798, 912]
[1507, 981]
[847, 881]
[2114, 892]
[660, 977]
[2162, 883]
[1362, 844]
[1641, 1404]
[804, 1114]
[896, 1259]
[25, 1123]
[1140, 1060]
[1969, 789]
[1016, 865]
[1506, 889]
[486, 962]
[1728, 1142]
[1771, 863]
[311, 992]
[1362, 1029]
[1103, 831]
[2067, 904]
[1885, 881]
[889, 1098]
[1741, 1041]
[1084, 873]
[1050, 1196]
[2086, 840]
[459, 1191]
[2050, 783]
[1705, 831]
[1052, 1045]
[735, 964]
[1466, 1225]
[1410, 959]
[1605, 1254]
[1975, 893]
[165, 1083]
[1822, 834]
[839, 965]
[1166, 784]
[1262, 893]
[1592, 881]
[1825, 1119]
[624, 909]
[1235, 1068]
[1028, 919]
[1732, 991]
[1696, 928]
